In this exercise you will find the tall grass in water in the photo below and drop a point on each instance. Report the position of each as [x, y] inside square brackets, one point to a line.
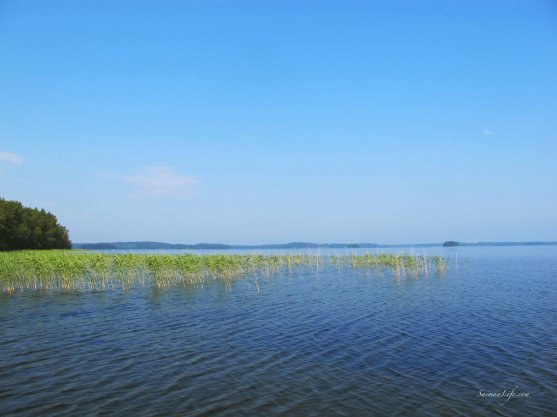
[91, 271]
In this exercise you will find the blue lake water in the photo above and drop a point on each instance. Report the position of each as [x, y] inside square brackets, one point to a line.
[308, 343]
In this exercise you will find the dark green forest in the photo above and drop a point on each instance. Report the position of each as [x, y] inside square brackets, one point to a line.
[28, 228]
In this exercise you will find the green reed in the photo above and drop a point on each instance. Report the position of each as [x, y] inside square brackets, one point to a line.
[64, 270]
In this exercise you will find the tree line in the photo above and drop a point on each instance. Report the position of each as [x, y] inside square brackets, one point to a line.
[30, 228]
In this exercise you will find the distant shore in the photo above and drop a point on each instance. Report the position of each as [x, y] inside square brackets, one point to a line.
[291, 245]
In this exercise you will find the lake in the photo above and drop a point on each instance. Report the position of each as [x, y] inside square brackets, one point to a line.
[321, 342]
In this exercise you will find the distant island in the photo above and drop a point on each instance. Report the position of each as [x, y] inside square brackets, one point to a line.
[291, 245]
[450, 243]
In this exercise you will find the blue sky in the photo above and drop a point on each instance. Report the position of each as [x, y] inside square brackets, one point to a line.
[276, 121]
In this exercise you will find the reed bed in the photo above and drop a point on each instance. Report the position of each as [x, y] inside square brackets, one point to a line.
[63, 270]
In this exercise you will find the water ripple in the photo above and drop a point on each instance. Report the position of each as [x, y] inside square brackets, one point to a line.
[347, 344]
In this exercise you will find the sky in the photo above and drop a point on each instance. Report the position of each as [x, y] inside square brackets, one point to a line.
[249, 122]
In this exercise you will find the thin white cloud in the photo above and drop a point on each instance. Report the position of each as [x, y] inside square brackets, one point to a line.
[488, 132]
[160, 181]
[11, 157]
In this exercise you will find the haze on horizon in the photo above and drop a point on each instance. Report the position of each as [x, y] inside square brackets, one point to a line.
[255, 122]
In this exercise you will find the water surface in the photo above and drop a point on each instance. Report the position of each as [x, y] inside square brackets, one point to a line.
[315, 343]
